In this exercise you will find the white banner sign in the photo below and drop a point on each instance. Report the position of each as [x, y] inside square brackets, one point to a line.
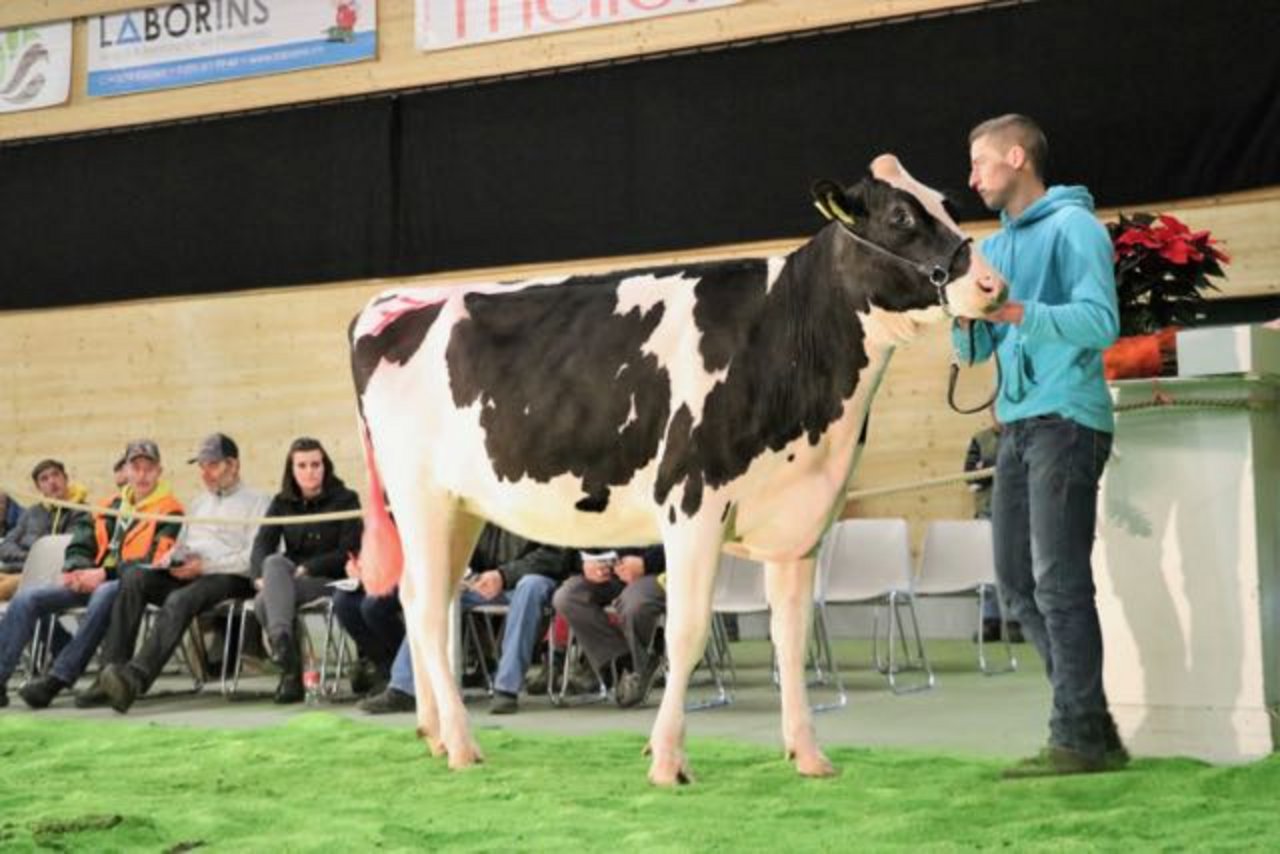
[444, 24]
[35, 66]
[204, 41]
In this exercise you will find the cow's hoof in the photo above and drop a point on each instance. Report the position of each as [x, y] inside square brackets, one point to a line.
[465, 757]
[670, 772]
[433, 742]
[813, 763]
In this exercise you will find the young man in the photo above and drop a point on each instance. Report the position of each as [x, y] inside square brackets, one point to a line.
[1053, 402]
[209, 564]
[100, 547]
[50, 478]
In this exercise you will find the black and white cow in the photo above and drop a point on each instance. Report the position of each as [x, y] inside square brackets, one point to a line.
[708, 405]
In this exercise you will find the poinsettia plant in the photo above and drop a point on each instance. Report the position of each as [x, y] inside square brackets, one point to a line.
[1162, 271]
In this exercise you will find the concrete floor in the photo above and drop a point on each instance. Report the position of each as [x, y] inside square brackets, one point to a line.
[965, 712]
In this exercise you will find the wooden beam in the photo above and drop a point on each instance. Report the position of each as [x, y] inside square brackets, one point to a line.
[15, 13]
[401, 65]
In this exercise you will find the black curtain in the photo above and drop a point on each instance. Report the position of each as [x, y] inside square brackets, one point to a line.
[1142, 100]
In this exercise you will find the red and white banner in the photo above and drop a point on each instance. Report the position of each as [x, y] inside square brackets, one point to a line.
[442, 24]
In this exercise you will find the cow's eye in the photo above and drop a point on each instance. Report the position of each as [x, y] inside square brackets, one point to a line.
[902, 219]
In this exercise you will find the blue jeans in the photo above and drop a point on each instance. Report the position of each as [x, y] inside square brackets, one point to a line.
[528, 600]
[30, 606]
[1043, 513]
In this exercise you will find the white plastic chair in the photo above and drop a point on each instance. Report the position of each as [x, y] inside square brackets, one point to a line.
[958, 560]
[41, 568]
[868, 562]
[739, 589]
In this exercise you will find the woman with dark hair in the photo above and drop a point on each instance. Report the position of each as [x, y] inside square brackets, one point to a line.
[314, 554]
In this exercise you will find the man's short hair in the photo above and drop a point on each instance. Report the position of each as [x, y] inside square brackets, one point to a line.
[1017, 129]
[46, 464]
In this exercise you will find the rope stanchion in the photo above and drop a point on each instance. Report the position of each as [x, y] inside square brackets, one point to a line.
[98, 510]
[861, 494]
[1160, 401]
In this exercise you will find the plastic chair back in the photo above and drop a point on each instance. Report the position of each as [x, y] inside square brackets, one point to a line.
[957, 557]
[739, 586]
[44, 561]
[863, 560]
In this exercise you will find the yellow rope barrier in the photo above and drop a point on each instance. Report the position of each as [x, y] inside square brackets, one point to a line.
[1160, 401]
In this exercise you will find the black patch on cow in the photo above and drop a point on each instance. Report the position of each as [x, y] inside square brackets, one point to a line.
[791, 458]
[397, 342]
[724, 514]
[558, 375]
[671, 514]
[793, 355]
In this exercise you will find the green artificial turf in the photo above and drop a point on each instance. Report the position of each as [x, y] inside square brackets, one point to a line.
[324, 783]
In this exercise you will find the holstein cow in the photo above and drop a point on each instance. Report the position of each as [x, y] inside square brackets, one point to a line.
[708, 405]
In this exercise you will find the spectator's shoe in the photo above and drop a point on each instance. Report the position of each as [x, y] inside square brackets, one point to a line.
[389, 702]
[121, 685]
[1056, 761]
[4, 695]
[537, 682]
[1015, 633]
[633, 686]
[290, 689]
[990, 631]
[503, 704]
[39, 692]
[364, 678]
[92, 697]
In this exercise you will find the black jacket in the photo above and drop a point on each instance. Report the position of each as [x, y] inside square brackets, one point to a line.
[322, 546]
[516, 557]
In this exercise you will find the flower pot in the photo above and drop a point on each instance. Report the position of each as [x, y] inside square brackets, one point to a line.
[1137, 356]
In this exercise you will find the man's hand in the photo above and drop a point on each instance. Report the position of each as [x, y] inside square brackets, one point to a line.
[189, 569]
[84, 580]
[488, 584]
[1011, 312]
[596, 571]
[629, 568]
[300, 570]
[353, 567]
[257, 584]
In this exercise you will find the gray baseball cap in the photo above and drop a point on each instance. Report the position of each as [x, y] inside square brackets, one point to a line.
[141, 448]
[215, 448]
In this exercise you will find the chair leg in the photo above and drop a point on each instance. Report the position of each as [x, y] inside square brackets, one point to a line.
[1011, 661]
[718, 659]
[226, 647]
[822, 642]
[921, 661]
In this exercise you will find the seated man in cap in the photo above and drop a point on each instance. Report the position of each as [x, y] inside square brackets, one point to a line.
[209, 565]
[100, 547]
[50, 478]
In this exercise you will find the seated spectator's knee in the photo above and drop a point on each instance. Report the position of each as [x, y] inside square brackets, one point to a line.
[572, 593]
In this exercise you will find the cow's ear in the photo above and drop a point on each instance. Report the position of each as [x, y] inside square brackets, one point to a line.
[832, 201]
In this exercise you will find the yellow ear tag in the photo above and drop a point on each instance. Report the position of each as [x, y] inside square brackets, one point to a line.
[823, 209]
[840, 213]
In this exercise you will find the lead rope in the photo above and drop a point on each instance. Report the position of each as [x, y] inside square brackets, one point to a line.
[954, 376]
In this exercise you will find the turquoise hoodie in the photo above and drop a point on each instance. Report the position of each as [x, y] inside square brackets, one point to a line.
[1056, 258]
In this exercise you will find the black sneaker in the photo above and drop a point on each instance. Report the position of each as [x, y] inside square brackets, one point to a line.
[290, 689]
[503, 704]
[121, 686]
[1015, 633]
[388, 702]
[92, 697]
[38, 693]
[1057, 761]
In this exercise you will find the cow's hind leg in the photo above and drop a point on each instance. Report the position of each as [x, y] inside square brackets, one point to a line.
[790, 590]
[692, 551]
[436, 552]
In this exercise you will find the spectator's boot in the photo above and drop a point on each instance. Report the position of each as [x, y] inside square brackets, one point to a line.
[92, 697]
[122, 685]
[289, 689]
[388, 702]
[39, 692]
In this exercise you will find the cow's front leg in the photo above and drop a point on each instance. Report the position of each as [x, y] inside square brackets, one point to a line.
[693, 553]
[790, 590]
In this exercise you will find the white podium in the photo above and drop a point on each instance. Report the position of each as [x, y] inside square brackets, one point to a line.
[1187, 566]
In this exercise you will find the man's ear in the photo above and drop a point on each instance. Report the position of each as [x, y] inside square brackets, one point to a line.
[1016, 156]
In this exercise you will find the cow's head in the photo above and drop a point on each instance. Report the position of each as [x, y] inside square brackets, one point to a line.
[899, 230]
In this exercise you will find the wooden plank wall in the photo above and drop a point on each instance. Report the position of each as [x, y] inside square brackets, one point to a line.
[266, 367]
